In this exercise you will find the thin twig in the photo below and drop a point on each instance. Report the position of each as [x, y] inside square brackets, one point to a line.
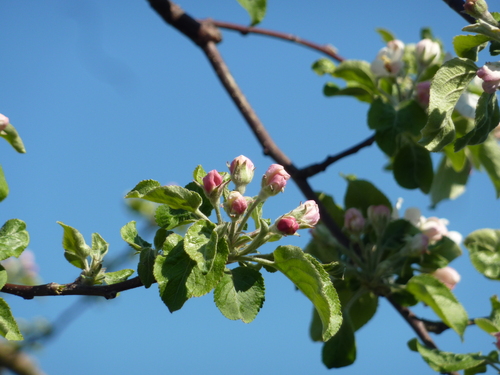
[326, 49]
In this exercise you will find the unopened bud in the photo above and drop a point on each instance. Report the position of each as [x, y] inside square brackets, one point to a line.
[242, 170]
[479, 10]
[490, 74]
[274, 180]
[354, 221]
[287, 225]
[427, 52]
[4, 121]
[448, 276]
[211, 182]
[236, 204]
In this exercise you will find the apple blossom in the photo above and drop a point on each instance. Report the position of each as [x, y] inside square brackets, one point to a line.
[287, 225]
[4, 121]
[211, 182]
[389, 60]
[490, 74]
[274, 180]
[242, 170]
[307, 214]
[354, 221]
[427, 52]
[448, 276]
[235, 204]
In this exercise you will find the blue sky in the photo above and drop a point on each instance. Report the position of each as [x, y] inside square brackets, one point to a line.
[105, 94]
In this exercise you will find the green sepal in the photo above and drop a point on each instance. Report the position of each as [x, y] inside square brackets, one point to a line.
[445, 362]
[447, 182]
[4, 187]
[99, 247]
[10, 135]
[147, 259]
[8, 325]
[468, 46]
[440, 299]
[198, 174]
[449, 82]
[131, 236]
[309, 276]
[340, 350]
[176, 197]
[117, 276]
[412, 167]
[484, 251]
[256, 10]
[487, 118]
[240, 294]
[323, 66]
[14, 238]
[361, 194]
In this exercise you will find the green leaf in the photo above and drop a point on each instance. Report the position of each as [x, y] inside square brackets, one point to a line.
[147, 259]
[99, 247]
[206, 207]
[386, 35]
[14, 238]
[309, 276]
[495, 311]
[3, 276]
[447, 182]
[198, 174]
[356, 73]
[487, 118]
[340, 350]
[10, 135]
[117, 276]
[484, 251]
[447, 362]
[75, 249]
[240, 294]
[487, 325]
[467, 46]
[361, 194]
[494, 48]
[8, 325]
[176, 197]
[331, 89]
[131, 236]
[457, 160]
[381, 115]
[362, 309]
[200, 243]
[488, 154]
[323, 66]
[178, 276]
[441, 253]
[412, 167]
[4, 187]
[169, 218]
[388, 140]
[256, 10]
[448, 84]
[440, 299]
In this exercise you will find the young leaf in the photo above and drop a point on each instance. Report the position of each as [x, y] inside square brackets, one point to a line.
[487, 118]
[362, 94]
[323, 66]
[309, 276]
[467, 46]
[198, 174]
[361, 194]
[447, 182]
[131, 236]
[3, 276]
[356, 73]
[340, 350]
[99, 247]
[447, 86]
[147, 259]
[13, 238]
[117, 276]
[8, 325]
[10, 135]
[487, 325]
[176, 197]
[256, 9]
[386, 35]
[484, 251]
[4, 187]
[240, 294]
[75, 249]
[142, 188]
[440, 299]
[362, 310]
[444, 362]
[412, 167]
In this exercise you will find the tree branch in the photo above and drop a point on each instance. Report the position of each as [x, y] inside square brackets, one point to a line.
[458, 6]
[326, 49]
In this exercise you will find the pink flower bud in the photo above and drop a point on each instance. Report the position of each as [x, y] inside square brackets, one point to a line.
[4, 121]
[287, 225]
[236, 204]
[448, 276]
[380, 212]
[311, 214]
[242, 170]
[434, 228]
[427, 52]
[389, 60]
[274, 180]
[354, 221]
[211, 182]
[423, 90]
[490, 74]
[497, 337]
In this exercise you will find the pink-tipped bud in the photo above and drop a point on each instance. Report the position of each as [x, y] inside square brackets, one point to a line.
[236, 204]
[308, 214]
[427, 52]
[448, 276]
[211, 182]
[274, 180]
[287, 225]
[490, 74]
[497, 337]
[4, 121]
[354, 221]
[242, 170]
[423, 91]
